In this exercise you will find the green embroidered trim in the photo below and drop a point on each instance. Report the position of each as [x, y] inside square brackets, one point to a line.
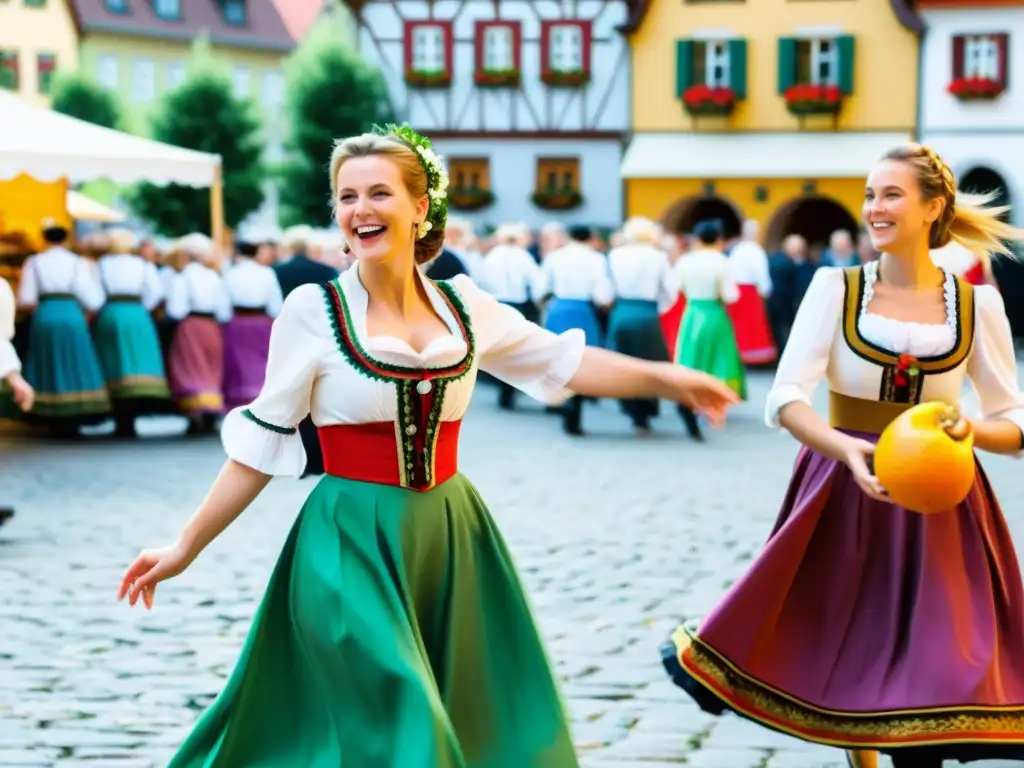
[266, 425]
[462, 315]
[406, 418]
[433, 421]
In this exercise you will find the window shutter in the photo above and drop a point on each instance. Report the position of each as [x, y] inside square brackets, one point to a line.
[684, 66]
[787, 63]
[846, 63]
[958, 57]
[738, 67]
[1003, 41]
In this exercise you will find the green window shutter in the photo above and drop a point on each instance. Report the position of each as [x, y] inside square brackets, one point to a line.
[787, 63]
[846, 63]
[684, 66]
[738, 67]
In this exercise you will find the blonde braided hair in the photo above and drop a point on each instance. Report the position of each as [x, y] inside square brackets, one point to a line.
[967, 219]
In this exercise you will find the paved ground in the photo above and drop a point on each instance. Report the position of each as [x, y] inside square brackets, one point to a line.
[618, 538]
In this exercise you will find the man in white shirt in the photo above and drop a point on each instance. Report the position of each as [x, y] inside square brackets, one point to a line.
[10, 366]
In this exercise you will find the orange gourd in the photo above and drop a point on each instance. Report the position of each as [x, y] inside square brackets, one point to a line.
[920, 464]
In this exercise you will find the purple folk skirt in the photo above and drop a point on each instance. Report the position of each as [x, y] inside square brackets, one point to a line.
[246, 345]
[195, 366]
[864, 625]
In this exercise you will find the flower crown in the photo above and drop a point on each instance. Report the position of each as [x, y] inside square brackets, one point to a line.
[437, 176]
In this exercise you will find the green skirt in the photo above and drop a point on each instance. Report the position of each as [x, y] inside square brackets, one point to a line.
[394, 634]
[130, 355]
[707, 343]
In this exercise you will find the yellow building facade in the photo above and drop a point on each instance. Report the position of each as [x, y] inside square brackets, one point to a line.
[37, 37]
[772, 110]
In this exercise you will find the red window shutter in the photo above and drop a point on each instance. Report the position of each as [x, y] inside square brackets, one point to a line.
[958, 57]
[478, 46]
[1003, 41]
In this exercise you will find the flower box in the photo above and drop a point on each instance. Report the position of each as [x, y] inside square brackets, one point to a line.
[703, 100]
[806, 99]
[975, 88]
[489, 78]
[558, 200]
[468, 199]
[428, 79]
[565, 79]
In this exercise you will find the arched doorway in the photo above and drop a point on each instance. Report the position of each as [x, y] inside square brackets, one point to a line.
[813, 218]
[682, 217]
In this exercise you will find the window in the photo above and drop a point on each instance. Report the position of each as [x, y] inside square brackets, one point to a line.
[498, 41]
[234, 12]
[143, 80]
[469, 174]
[273, 89]
[558, 175]
[175, 74]
[498, 58]
[821, 62]
[428, 49]
[46, 64]
[167, 9]
[706, 68]
[106, 71]
[116, 6]
[242, 82]
[982, 57]
[9, 78]
[817, 62]
[711, 63]
[565, 52]
[979, 66]
[428, 53]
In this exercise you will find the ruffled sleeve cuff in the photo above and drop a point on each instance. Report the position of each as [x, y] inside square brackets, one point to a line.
[261, 445]
[551, 388]
[778, 398]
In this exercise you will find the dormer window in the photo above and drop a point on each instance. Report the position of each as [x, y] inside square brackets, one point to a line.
[498, 53]
[234, 12]
[116, 6]
[168, 9]
[565, 52]
[428, 53]
[979, 66]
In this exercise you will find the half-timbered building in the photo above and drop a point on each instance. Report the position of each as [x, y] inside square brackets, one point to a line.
[528, 101]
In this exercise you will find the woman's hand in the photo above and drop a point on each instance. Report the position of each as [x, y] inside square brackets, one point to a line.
[150, 568]
[857, 455]
[22, 392]
[701, 393]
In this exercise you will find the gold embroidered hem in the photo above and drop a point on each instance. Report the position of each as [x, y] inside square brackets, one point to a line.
[853, 730]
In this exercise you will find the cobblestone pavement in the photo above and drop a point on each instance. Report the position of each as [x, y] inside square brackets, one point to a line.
[617, 537]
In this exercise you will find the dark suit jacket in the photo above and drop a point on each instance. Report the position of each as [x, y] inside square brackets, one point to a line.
[300, 270]
[446, 266]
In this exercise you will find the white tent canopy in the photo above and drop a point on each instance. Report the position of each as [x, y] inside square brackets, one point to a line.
[49, 146]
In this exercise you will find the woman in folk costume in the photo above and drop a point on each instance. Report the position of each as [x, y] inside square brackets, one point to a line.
[959, 260]
[60, 287]
[644, 287]
[198, 302]
[394, 631]
[749, 317]
[509, 273]
[706, 341]
[576, 277]
[864, 625]
[126, 336]
[12, 385]
[256, 300]
[674, 246]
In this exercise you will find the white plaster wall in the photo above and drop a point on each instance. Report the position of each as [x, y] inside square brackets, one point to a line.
[513, 167]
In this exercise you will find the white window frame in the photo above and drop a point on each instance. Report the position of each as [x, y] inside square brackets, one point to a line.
[107, 71]
[716, 57]
[272, 89]
[143, 80]
[167, 9]
[982, 58]
[498, 48]
[174, 74]
[824, 52]
[565, 48]
[241, 81]
[427, 50]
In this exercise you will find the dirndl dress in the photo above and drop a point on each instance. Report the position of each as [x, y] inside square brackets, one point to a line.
[707, 343]
[130, 355]
[634, 329]
[750, 325]
[864, 625]
[566, 314]
[394, 630]
[246, 346]
[196, 364]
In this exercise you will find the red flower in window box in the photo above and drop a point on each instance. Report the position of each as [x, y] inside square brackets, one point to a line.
[428, 79]
[497, 78]
[704, 100]
[975, 88]
[565, 79]
[809, 99]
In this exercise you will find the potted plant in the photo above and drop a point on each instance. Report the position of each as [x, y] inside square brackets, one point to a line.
[704, 100]
[418, 79]
[565, 79]
[557, 199]
[469, 198]
[809, 99]
[497, 78]
[975, 88]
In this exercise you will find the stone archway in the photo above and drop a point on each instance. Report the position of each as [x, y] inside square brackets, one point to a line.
[681, 218]
[813, 218]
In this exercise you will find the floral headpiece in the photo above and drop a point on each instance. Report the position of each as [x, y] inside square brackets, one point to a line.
[437, 176]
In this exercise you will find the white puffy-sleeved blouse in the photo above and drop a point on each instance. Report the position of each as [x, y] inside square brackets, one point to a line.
[323, 362]
[872, 360]
[705, 274]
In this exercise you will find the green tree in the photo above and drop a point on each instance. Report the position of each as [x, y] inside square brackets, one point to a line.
[77, 95]
[331, 93]
[204, 114]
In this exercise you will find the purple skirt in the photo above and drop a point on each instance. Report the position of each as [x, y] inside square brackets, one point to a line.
[196, 365]
[864, 625]
[246, 345]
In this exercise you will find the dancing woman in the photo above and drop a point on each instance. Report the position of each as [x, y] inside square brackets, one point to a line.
[864, 625]
[394, 631]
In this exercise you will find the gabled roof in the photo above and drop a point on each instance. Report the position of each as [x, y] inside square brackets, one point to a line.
[904, 10]
[264, 29]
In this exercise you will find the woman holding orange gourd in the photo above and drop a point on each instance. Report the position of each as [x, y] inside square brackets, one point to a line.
[864, 624]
